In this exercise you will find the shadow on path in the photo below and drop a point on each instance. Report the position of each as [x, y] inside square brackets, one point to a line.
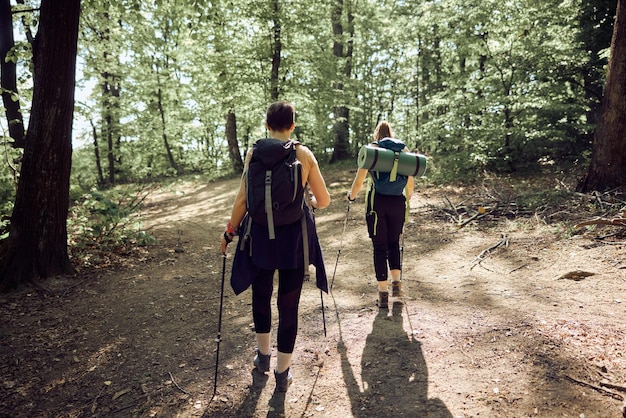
[249, 405]
[394, 377]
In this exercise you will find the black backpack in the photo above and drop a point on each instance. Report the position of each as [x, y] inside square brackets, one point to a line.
[274, 191]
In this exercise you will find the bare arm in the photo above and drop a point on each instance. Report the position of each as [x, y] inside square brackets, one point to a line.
[357, 183]
[321, 196]
[239, 206]
[410, 185]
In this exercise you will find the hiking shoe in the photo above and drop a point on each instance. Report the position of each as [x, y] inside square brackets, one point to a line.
[396, 289]
[283, 380]
[383, 300]
[262, 361]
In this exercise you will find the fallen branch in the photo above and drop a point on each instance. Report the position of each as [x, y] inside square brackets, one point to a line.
[473, 218]
[518, 268]
[450, 203]
[176, 384]
[94, 404]
[610, 385]
[482, 212]
[597, 388]
[71, 287]
[456, 211]
[603, 221]
[480, 257]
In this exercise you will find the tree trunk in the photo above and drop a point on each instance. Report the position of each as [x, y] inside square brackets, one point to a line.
[96, 150]
[37, 244]
[166, 143]
[596, 29]
[107, 129]
[607, 170]
[277, 47]
[233, 145]
[8, 80]
[341, 112]
[426, 61]
[111, 125]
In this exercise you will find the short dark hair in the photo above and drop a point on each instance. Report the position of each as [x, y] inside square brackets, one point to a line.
[280, 115]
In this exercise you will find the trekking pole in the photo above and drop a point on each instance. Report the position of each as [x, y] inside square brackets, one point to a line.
[219, 325]
[321, 292]
[407, 213]
[345, 222]
[402, 254]
[323, 313]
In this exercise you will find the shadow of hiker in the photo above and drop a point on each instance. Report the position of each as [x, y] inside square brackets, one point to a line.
[393, 373]
[249, 405]
[276, 405]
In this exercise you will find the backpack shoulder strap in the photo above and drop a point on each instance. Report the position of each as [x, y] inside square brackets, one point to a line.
[268, 203]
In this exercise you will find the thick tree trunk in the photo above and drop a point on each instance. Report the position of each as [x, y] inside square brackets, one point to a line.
[343, 53]
[596, 29]
[341, 134]
[607, 170]
[233, 145]
[37, 243]
[8, 80]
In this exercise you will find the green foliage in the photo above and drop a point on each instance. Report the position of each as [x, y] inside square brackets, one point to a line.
[106, 221]
[486, 85]
[8, 183]
[84, 176]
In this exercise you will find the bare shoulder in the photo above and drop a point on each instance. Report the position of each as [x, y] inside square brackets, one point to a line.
[304, 153]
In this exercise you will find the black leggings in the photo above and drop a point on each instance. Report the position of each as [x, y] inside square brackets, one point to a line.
[384, 225]
[289, 290]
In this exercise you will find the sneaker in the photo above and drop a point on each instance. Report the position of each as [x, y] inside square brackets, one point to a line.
[383, 300]
[283, 380]
[396, 289]
[262, 361]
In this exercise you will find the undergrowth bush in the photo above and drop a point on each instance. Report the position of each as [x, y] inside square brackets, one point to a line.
[103, 224]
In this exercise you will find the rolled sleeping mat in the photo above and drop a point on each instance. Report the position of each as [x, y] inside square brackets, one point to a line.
[382, 159]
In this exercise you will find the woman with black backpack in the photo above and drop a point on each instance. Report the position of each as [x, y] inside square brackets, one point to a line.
[279, 235]
[386, 211]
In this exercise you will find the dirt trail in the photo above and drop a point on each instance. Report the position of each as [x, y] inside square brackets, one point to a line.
[488, 326]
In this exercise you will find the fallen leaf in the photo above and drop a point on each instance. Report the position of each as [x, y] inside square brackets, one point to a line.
[121, 393]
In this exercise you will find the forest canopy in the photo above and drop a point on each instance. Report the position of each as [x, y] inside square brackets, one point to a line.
[172, 87]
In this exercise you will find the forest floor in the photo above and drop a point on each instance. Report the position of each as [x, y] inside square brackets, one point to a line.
[516, 313]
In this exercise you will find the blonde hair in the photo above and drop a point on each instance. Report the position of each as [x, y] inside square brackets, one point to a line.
[383, 130]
